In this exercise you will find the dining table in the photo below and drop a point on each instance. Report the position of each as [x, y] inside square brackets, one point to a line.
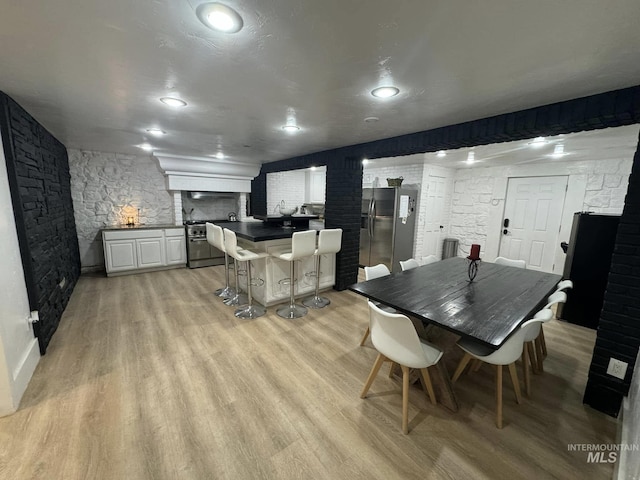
[488, 309]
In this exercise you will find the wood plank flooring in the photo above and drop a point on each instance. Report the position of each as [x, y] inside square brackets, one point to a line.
[150, 376]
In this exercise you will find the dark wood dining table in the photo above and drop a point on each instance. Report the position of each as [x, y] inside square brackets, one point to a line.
[488, 309]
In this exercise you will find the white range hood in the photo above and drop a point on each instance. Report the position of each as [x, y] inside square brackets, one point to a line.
[206, 174]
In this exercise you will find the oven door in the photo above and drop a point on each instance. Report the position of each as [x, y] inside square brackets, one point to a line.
[198, 249]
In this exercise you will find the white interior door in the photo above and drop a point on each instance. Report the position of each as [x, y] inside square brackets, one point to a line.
[531, 222]
[434, 212]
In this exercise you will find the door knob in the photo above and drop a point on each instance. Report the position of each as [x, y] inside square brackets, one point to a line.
[505, 231]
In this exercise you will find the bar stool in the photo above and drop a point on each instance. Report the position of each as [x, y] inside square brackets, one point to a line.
[215, 237]
[329, 241]
[244, 255]
[303, 244]
[238, 298]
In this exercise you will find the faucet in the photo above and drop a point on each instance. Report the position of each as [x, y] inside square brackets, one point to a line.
[280, 206]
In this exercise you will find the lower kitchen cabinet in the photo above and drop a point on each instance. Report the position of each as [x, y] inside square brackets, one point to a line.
[135, 250]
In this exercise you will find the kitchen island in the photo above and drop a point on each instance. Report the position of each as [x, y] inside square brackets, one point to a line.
[271, 285]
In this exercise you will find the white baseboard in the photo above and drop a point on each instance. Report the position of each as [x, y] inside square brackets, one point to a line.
[24, 371]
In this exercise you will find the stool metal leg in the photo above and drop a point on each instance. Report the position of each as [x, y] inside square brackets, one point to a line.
[292, 310]
[251, 310]
[227, 291]
[316, 301]
[239, 298]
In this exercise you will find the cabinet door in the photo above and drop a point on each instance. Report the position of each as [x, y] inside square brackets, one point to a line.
[121, 255]
[176, 250]
[150, 252]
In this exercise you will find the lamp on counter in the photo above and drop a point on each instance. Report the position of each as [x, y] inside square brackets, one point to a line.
[474, 259]
[130, 221]
[131, 216]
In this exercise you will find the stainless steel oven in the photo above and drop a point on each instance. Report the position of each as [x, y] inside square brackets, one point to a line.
[199, 252]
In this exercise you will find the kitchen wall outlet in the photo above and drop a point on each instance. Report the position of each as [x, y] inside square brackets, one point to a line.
[617, 368]
[34, 317]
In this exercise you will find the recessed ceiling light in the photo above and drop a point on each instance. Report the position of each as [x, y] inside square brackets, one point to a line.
[537, 142]
[385, 92]
[371, 119]
[441, 153]
[471, 158]
[173, 102]
[156, 131]
[145, 146]
[558, 151]
[290, 128]
[219, 17]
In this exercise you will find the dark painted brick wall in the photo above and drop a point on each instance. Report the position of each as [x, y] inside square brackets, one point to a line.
[611, 109]
[619, 329]
[41, 195]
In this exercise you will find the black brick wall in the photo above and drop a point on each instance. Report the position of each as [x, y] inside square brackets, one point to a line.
[41, 195]
[610, 109]
[259, 195]
[619, 329]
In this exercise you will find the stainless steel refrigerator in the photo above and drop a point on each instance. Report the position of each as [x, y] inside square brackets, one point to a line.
[387, 226]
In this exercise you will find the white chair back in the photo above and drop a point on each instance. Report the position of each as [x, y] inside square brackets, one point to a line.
[329, 241]
[215, 236]
[231, 243]
[564, 285]
[303, 244]
[510, 262]
[557, 297]
[376, 271]
[395, 337]
[428, 259]
[409, 264]
[534, 325]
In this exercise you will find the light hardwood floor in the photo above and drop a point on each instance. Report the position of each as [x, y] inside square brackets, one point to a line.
[150, 376]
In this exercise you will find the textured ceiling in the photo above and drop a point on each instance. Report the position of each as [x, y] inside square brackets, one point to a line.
[92, 71]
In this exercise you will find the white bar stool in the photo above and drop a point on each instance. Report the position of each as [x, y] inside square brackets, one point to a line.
[303, 244]
[244, 255]
[329, 241]
[215, 237]
[238, 298]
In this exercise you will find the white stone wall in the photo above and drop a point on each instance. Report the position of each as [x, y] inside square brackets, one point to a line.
[478, 198]
[104, 186]
[288, 186]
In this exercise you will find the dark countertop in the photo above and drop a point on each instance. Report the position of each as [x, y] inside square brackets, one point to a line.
[283, 218]
[261, 231]
[142, 227]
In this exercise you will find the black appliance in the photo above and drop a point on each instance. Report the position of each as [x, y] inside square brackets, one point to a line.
[593, 237]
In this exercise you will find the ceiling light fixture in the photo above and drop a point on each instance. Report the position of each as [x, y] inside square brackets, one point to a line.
[471, 158]
[219, 17]
[371, 119]
[146, 147]
[537, 142]
[156, 131]
[385, 92]
[441, 153]
[290, 128]
[173, 102]
[558, 151]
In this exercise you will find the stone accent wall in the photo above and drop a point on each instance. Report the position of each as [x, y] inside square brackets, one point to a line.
[40, 190]
[106, 187]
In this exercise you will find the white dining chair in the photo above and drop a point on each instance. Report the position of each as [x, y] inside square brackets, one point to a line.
[510, 262]
[529, 354]
[397, 341]
[507, 354]
[409, 264]
[377, 271]
[555, 298]
[428, 260]
[564, 285]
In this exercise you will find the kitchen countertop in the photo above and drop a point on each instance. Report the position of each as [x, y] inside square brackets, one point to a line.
[142, 227]
[283, 218]
[261, 231]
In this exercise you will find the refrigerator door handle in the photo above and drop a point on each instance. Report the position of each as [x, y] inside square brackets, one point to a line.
[372, 222]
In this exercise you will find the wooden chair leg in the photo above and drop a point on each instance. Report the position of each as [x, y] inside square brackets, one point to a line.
[539, 354]
[525, 370]
[392, 367]
[405, 399]
[372, 375]
[364, 338]
[515, 381]
[426, 378]
[477, 364]
[532, 357]
[543, 343]
[463, 363]
[499, 396]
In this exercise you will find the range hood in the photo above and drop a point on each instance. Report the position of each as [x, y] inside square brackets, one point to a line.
[205, 195]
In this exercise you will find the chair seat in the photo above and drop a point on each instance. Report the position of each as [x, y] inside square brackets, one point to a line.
[432, 353]
[474, 348]
[247, 255]
[385, 308]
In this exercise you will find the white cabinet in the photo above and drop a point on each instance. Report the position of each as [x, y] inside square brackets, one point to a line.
[134, 250]
[316, 186]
